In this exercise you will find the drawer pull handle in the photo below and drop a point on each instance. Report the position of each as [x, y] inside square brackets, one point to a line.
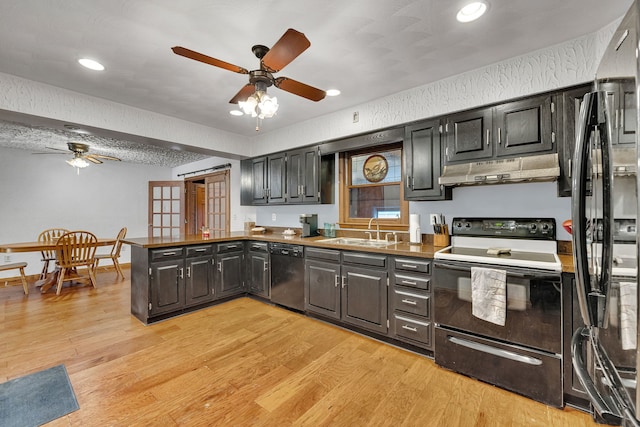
[201, 250]
[495, 351]
[168, 253]
[231, 247]
[409, 328]
[409, 265]
[410, 302]
[409, 282]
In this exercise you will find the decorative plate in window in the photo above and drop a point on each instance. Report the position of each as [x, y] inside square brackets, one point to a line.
[375, 168]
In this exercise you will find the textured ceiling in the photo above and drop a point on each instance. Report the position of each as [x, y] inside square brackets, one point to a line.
[366, 48]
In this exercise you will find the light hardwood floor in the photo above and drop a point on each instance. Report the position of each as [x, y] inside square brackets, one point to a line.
[239, 363]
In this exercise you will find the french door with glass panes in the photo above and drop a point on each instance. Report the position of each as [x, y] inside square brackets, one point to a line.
[168, 210]
[217, 202]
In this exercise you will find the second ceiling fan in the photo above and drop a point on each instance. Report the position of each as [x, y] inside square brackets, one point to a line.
[286, 49]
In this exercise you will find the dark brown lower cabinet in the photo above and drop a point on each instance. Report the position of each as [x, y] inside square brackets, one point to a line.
[347, 286]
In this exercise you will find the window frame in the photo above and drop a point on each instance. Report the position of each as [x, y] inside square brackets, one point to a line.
[344, 173]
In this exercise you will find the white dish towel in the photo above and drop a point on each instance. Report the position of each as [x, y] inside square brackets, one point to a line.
[489, 294]
[628, 315]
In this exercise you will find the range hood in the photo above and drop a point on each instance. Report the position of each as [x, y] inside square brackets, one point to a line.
[623, 159]
[543, 167]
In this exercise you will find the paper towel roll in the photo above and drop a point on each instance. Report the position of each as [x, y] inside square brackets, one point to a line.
[415, 235]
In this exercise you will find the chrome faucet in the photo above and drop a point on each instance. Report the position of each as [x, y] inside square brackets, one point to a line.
[377, 228]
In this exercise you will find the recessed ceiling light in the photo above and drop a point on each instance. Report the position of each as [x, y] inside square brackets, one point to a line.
[236, 113]
[333, 92]
[472, 11]
[91, 64]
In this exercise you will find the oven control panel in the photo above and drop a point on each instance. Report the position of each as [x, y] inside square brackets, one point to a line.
[520, 228]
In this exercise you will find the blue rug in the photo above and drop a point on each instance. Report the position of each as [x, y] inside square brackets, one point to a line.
[36, 399]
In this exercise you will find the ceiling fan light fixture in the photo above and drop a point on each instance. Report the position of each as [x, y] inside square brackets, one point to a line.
[472, 11]
[78, 162]
[260, 105]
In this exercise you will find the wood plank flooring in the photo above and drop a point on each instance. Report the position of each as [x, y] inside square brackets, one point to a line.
[239, 363]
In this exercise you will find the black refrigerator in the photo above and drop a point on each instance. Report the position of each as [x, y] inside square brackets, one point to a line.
[605, 200]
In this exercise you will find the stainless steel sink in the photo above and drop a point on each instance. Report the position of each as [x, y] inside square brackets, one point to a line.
[355, 241]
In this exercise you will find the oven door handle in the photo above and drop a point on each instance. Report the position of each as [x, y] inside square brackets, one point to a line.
[510, 273]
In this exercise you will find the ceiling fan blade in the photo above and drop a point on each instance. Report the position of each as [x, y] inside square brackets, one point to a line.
[291, 44]
[300, 89]
[59, 151]
[100, 156]
[243, 94]
[91, 159]
[188, 53]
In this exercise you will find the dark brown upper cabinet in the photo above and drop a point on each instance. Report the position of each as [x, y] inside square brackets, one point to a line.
[516, 128]
[423, 162]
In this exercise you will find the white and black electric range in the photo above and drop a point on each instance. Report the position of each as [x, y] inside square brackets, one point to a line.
[523, 352]
[516, 242]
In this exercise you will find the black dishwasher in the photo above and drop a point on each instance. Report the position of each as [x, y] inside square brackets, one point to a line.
[287, 275]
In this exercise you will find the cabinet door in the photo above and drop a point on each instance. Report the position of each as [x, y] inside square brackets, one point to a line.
[229, 273]
[311, 176]
[571, 100]
[364, 298]
[423, 162]
[259, 183]
[524, 127]
[295, 171]
[199, 280]
[259, 274]
[468, 135]
[167, 286]
[322, 288]
[276, 172]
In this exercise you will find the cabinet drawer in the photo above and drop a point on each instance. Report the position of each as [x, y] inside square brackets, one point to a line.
[409, 264]
[411, 301]
[413, 329]
[324, 254]
[169, 253]
[193, 251]
[415, 281]
[258, 246]
[230, 247]
[364, 259]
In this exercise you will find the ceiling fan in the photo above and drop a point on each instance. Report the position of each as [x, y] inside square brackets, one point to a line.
[81, 155]
[286, 49]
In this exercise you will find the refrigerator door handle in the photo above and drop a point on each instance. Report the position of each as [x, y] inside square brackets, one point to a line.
[593, 120]
[610, 415]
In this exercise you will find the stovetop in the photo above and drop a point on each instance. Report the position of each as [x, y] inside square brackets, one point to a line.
[524, 242]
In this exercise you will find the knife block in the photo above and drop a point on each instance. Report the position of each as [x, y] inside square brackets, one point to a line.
[442, 239]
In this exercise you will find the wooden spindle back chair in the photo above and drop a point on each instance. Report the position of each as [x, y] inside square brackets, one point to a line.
[76, 249]
[50, 235]
[115, 253]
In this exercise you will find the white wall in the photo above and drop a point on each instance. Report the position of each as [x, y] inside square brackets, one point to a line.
[239, 214]
[43, 191]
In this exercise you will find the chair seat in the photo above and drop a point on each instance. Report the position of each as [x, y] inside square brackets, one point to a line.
[20, 266]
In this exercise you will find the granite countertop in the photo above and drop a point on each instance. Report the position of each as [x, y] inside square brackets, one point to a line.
[425, 250]
[400, 248]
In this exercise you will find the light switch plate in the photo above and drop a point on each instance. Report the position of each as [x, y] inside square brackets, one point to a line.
[273, 217]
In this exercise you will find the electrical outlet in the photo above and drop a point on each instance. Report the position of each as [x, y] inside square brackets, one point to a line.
[7, 259]
[273, 217]
[433, 218]
[356, 117]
